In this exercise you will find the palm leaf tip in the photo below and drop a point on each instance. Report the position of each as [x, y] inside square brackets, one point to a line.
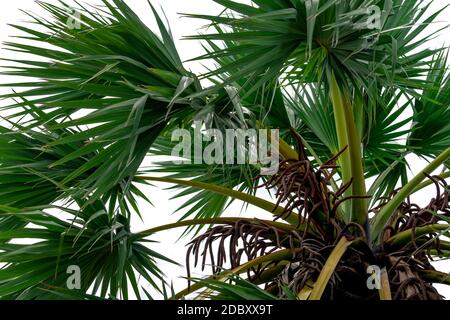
[267, 40]
[118, 70]
[107, 255]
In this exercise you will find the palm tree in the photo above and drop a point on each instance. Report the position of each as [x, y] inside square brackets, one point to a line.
[353, 89]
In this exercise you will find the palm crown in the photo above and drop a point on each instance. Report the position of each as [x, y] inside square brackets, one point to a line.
[339, 79]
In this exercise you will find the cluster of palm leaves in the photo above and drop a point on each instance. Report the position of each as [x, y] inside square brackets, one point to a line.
[352, 103]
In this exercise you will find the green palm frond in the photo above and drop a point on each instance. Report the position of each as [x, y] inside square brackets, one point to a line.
[107, 254]
[29, 177]
[267, 103]
[384, 131]
[304, 39]
[354, 89]
[315, 121]
[26, 180]
[431, 130]
[202, 204]
[234, 289]
[129, 80]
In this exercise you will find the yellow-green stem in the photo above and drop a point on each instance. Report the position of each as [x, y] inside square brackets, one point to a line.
[403, 238]
[328, 269]
[281, 255]
[351, 160]
[258, 202]
[360, 204]
[435, 276]
[385, 289]
[282, 226]
[429, 182]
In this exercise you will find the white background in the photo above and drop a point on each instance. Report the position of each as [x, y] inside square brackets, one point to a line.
[162, 211]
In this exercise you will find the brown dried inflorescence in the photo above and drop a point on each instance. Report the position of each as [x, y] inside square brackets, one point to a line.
[410, 216]
[406, 282]
[245, 241]
[407, 262]
[305, 191]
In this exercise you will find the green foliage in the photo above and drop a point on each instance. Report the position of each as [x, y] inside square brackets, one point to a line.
[116, 71]
[431, 131]
[97, 101]
[29, 178]
[109, 256]
[202, 204]
[304, 39]
[235, 288]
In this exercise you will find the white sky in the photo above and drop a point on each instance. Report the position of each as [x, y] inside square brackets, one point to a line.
[161, 213]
